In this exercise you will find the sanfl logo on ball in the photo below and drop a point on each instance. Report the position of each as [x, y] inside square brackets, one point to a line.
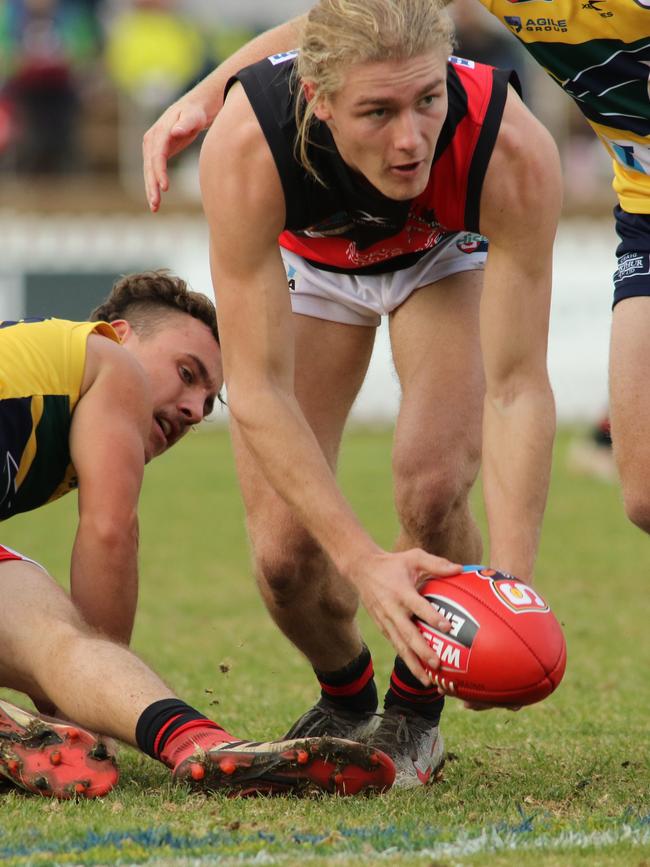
[515, 595]
[519, 597]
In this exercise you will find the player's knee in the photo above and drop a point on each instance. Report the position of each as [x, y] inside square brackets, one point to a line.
[427, 501]
[637, 505]
[290, 568]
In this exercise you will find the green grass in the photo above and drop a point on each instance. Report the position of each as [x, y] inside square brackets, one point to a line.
[565, 782]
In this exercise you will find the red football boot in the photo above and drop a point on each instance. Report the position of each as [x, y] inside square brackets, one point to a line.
[54, 759]
[287, 766]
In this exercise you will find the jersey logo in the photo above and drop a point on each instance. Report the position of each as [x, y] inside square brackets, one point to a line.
[462, 61]
[275, 59]
[644, 4]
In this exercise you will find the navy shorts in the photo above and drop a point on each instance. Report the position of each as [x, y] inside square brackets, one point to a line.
[632, 277]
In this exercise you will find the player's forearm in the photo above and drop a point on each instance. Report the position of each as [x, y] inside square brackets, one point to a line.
[517, 449]
[104, 580]
[209, 92]
[288, 453]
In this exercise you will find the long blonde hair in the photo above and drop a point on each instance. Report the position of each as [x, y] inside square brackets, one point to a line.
[341, 33]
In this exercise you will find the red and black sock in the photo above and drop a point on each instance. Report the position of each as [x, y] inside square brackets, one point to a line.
[161, 725]
[351, 688]
[406, 691]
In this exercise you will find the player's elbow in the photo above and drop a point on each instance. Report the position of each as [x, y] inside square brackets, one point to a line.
[111, 531]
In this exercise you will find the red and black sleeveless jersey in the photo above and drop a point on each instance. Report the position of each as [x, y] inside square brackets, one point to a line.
[349, 226]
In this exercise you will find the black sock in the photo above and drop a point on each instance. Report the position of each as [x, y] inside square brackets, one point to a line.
[352, 688]
[406, 691]
[160, 720]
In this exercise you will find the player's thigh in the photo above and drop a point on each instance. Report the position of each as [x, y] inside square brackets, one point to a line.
[331, 360]
[35, 613]
[630, 395]
[435, 340]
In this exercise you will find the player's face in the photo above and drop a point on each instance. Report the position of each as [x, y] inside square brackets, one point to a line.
[183, 363]
[386, 120]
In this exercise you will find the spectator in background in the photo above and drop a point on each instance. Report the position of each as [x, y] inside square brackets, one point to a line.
[44, 44]
[153, 53]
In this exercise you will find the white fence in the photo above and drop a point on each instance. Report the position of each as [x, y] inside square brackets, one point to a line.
[578, 349]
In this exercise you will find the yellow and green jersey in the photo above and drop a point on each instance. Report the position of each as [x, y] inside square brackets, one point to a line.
[41, 370]
[598, 51]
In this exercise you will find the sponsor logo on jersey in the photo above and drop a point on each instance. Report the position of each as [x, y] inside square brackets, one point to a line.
[462, 61]
[644, 4]
[471, 243]
[513, 21]
[596, 6]
[514, 594]
[536, 25]
[275, 59]
[453, 647]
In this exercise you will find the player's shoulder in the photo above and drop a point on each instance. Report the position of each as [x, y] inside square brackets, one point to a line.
[525, 157]
[109, 363]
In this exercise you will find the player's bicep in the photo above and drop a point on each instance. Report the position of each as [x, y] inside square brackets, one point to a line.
[244, 202]
[522, 191]
[520, 207]
[108, 434]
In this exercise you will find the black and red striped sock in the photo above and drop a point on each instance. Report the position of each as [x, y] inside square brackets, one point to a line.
[406, 691]
[167, 724]
[352, 688]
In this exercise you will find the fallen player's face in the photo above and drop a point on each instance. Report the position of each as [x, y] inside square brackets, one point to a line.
[386, 120]
[183, 363]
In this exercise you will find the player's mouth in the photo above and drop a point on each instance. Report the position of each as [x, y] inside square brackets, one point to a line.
[407, 170]
[166, 430]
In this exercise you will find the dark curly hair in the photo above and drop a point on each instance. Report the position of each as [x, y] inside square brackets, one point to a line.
[145, 300]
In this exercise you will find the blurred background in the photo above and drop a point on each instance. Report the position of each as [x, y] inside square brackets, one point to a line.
[80, 82]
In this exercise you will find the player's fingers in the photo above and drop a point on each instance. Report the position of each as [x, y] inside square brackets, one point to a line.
[155, 174]
[430, 565]
[424, 611]
[411, 659]
[419, 647]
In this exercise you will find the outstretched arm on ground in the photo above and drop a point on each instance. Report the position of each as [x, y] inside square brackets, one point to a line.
[109, 429]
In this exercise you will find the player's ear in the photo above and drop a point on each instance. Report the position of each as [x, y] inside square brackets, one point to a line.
[122, 328]
[321, 108]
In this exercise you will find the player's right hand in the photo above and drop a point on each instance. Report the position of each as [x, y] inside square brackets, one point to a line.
[387, 584]
[174, 130]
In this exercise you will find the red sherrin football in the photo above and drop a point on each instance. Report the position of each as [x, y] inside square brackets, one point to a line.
[505, 646]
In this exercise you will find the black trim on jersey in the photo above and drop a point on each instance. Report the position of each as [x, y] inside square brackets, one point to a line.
[486, 142]
[274, 111]
[456, 110]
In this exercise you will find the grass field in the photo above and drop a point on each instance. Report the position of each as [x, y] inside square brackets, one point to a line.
[565, 782]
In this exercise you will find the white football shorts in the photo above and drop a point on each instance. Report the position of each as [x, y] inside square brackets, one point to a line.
[362, 299]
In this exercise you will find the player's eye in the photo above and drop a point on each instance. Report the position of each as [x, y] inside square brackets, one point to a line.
[186, 374]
